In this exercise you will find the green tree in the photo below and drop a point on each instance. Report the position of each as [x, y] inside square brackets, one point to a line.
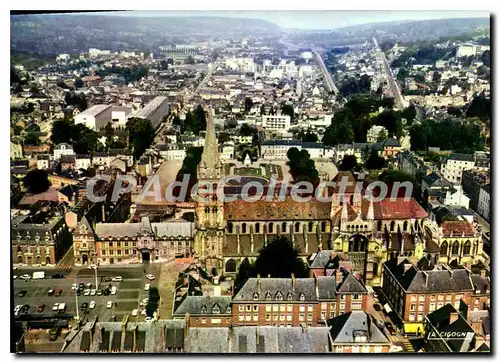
[109, 132]
[287, 109]
[409, 113]
[301, 166]
[308, 136]
[141, 135]
[348, 163]
[279, 259]
[382, 136]
[375, 161]
[245, 271]
[189, 60]
[486, 58]
[78, 82]
[248, 104]
[36, 181]
[32, 139]
[61, 132]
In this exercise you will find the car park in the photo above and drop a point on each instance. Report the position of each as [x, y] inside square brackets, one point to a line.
[109, 305]
[150, 277]
[21, 293]
[92, 305]
[117, 279]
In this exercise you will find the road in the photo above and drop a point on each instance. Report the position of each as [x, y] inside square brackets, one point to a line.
[398, 97]
[328, 77]
[130, 291]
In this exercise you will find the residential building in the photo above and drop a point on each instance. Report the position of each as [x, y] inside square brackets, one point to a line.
[42, 161]
[297, 301]
[374, 132]
[16, 150]
[205, 311]
[171, 151]
[276, 122]
[467, 50]
[411, 163]
[95, 117]
[82, 161]
[356, 332]
[62, 149]
[356, 148]
[454, 165]
[454, 196]
[484, 201]
[277, 149]
[39, 238]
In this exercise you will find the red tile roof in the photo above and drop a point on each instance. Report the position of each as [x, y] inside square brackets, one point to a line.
[458, 228]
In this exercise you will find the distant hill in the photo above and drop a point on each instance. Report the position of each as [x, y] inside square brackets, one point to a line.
[74, 33]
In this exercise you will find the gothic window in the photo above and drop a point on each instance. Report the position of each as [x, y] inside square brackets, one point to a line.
[268, 296]
[214, 210]
[207, 210]
[229, 227]
[279, 295]
[444, 248]
[455, 248]
[257, 227]
[379, 225]
[323, 226]
[297, 227]
[310, 227]
[270, 228]
[283, 227]
[215, 309]
[244, 228]
[405, 226]
[351, 200]
[467, 246]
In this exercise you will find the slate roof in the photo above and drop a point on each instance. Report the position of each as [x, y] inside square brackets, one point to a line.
[163, 229]
[461, 157]
[207, 340]
[204, 305]
[343, 328]
[276, 210]
[487, 188]
[414, 280]
[481, 284]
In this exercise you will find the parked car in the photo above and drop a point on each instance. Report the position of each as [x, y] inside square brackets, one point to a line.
[109, 305]
[92, 267]
[58, 276]
[146, 287]
[117, 279]
[143, 312]
[81, 286]
[390, 328]
[50, 292]
[86, 292]
[377, 307]
[106, 292]
[25, 277]
[150, 277]
[40, 308]
[84, 306]
[21, 293]
[134, 312]
[58, 292]
[25, 309]
[93, 292]
[113, 290]
[148, 318]
[88, 286]
[107, 279]
[92, 305]
[55, 307]
[74, 287]
[78, 292]
[99, 292]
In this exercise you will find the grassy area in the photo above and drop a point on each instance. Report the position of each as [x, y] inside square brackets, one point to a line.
[248, 171]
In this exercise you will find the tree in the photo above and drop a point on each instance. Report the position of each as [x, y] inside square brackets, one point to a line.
[436, 77]
[248, 104]
[409, 113]
[31, 139]
[288, 110]
[279, 259]
[163, 65]
[78, 82]
[247, 130]
[486, 58]
[37, 181]
[348, 163]
[480, 107]
[109, 132]
[301, 166]
[382, 136]
[308, 136]
[245, 271]
[61, 132]
[141, 135]
[189, 60]
[375, 161]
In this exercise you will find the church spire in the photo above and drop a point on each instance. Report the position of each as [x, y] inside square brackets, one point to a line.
[210, 164]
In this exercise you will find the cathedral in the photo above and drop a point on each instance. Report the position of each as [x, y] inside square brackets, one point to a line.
[348, 224]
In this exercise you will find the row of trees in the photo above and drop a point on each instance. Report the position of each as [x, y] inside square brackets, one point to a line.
[83, 139]
[355, 85]
[195, 121]
[447, 135]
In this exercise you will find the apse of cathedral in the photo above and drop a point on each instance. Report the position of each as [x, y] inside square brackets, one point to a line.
[364, 232]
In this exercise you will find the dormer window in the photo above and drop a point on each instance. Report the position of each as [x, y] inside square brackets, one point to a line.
[268, 296]
[289, 297]
[302, 296]
[228, 310]
[216, 309]
[279, 296]
[256, 296]
[203, 309]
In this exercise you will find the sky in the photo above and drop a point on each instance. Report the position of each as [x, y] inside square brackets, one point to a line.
[313, 19]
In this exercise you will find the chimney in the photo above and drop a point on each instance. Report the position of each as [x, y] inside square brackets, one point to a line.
[186, 327]
[339, 276]
[258, 281]
[293, 282]
[426, 278]
[103, 213]
[316, 285]
[453, 317]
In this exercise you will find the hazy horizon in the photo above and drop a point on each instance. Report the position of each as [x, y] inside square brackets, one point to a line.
[312, 19]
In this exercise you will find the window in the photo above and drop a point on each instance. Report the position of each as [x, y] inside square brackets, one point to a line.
[433, 297]
[118, 244]
[275, 307]
[342, 297]
[268, 317]
[454, 248]
[332, 314]
[241, 317]
[310, 307]
[282, 307]
[420, 317]
[248, 317]
[323, 306]
[421, 307]
[244, 228]
[126, 252]
[302, 297]
[256, 308]
[103, 252]
[356, 297]
[309, 317]
[414, 298]
[257, 228]
[282, 317]
[270, 228]
[440, 297]
[249, 307]
[289, 297]
[323, 315]
[289, 307]
[412, 317]
[457, 304]
[288, 317]
[255, 317]
[268, 307]
[302, 308]
[275, 317]
[203, 321]
[421, 298]
[241, 308]
[119, 252]
[279, 295]
[356, 306]
[302, 317]
[268, 296]
[448, 297]
[432, 307]
[283, 227]
[342, 307]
